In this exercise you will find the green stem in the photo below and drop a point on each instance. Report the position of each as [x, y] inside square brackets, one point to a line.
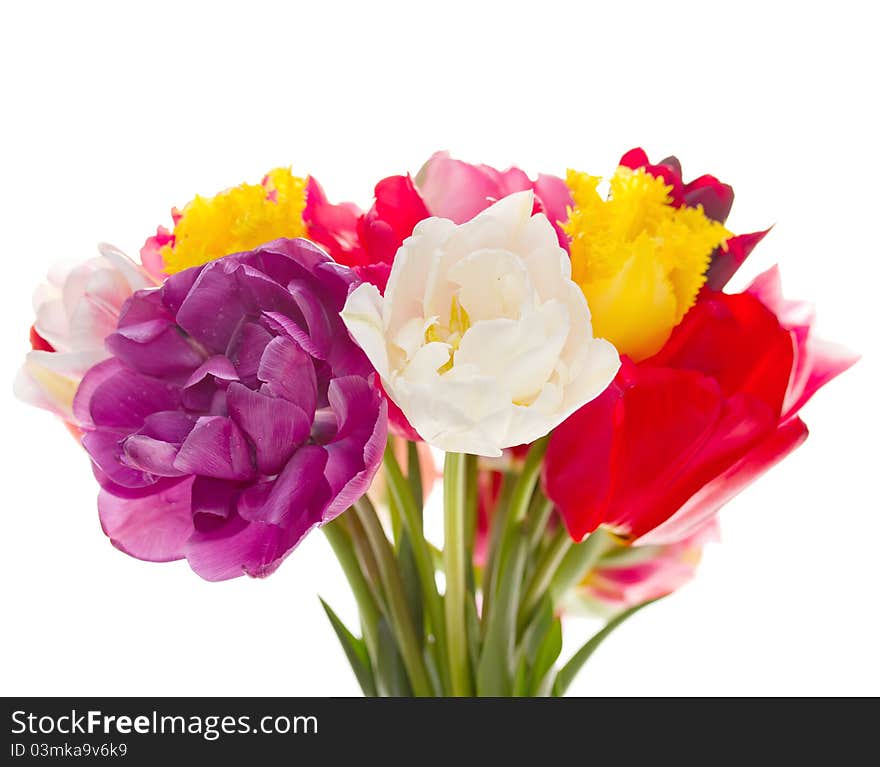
[497, 524]
[399, 613]
[412, 518]
[543, 575]
[516, 510]
[341, 543]
[367, 561]
[525, 486]
[454, 552]
[414, 473]
[539, 520]
[579, 560]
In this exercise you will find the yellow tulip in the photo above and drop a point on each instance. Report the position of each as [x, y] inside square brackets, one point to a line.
[639, 260]
[239, 219]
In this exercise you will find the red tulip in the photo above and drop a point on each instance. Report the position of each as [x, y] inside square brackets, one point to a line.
[676, 436]
[367, 242]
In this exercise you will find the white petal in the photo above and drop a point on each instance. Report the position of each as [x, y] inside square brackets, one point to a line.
[494, 283]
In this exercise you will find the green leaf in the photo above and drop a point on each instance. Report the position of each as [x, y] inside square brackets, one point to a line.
[393, 681]
[356, 652]
[473, 631]
[414, 473]
[579, 559]
[521, 678]
[538, 627]
[399, 489]
[568, 672]
[432, 652]
[546, 656]
[412, 586]
[498, 523]
[495, 672]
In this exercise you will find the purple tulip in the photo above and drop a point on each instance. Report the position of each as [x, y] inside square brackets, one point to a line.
[235, 414]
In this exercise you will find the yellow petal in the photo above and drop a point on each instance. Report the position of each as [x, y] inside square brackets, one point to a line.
[639, 260]
[238, 219]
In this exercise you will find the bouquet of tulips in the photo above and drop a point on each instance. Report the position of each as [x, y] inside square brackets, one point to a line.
[276, 363]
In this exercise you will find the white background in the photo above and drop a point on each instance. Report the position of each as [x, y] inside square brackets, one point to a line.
[112, 114]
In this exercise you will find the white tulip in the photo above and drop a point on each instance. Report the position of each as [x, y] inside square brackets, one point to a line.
[482, 339]
[76, 309]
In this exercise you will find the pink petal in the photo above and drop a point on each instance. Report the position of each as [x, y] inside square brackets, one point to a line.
[154, 526]
[454, 189]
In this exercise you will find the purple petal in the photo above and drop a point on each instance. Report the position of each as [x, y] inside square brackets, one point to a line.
[105, 449]
[177, 287]
[94, 377]
[168, 425]
[123, 398]
[290, 373]
[261, 293]
[204, 391]
[275, 426]
[246, 350]
[314, 313]
[154, 526]
[155, 347]
[216, 447]
[239, 548]
[213, 310]
[285, 326]
[143, 306]
[297, 497]
[217, 366]
[285, 260]
[354, 455]
[150, 455]
[213, 502]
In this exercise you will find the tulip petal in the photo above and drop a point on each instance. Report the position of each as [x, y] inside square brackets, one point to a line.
[239, 548]
[713, 495]
[295, 500]
[730, 257]
[154, 526]
[289, 373]
[217, 448]
[354, 454]
[119, 397]
[276, 427]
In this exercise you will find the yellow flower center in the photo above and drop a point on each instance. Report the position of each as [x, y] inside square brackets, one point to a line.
[639, 260]
[459, 322]
[239, 219]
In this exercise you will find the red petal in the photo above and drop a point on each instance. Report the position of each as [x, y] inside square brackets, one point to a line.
[715, 197]
[642, 432]
[737, 341]
[38, 343]
[332, 226]
[727, 259]
[713, 495]
[394, 215]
